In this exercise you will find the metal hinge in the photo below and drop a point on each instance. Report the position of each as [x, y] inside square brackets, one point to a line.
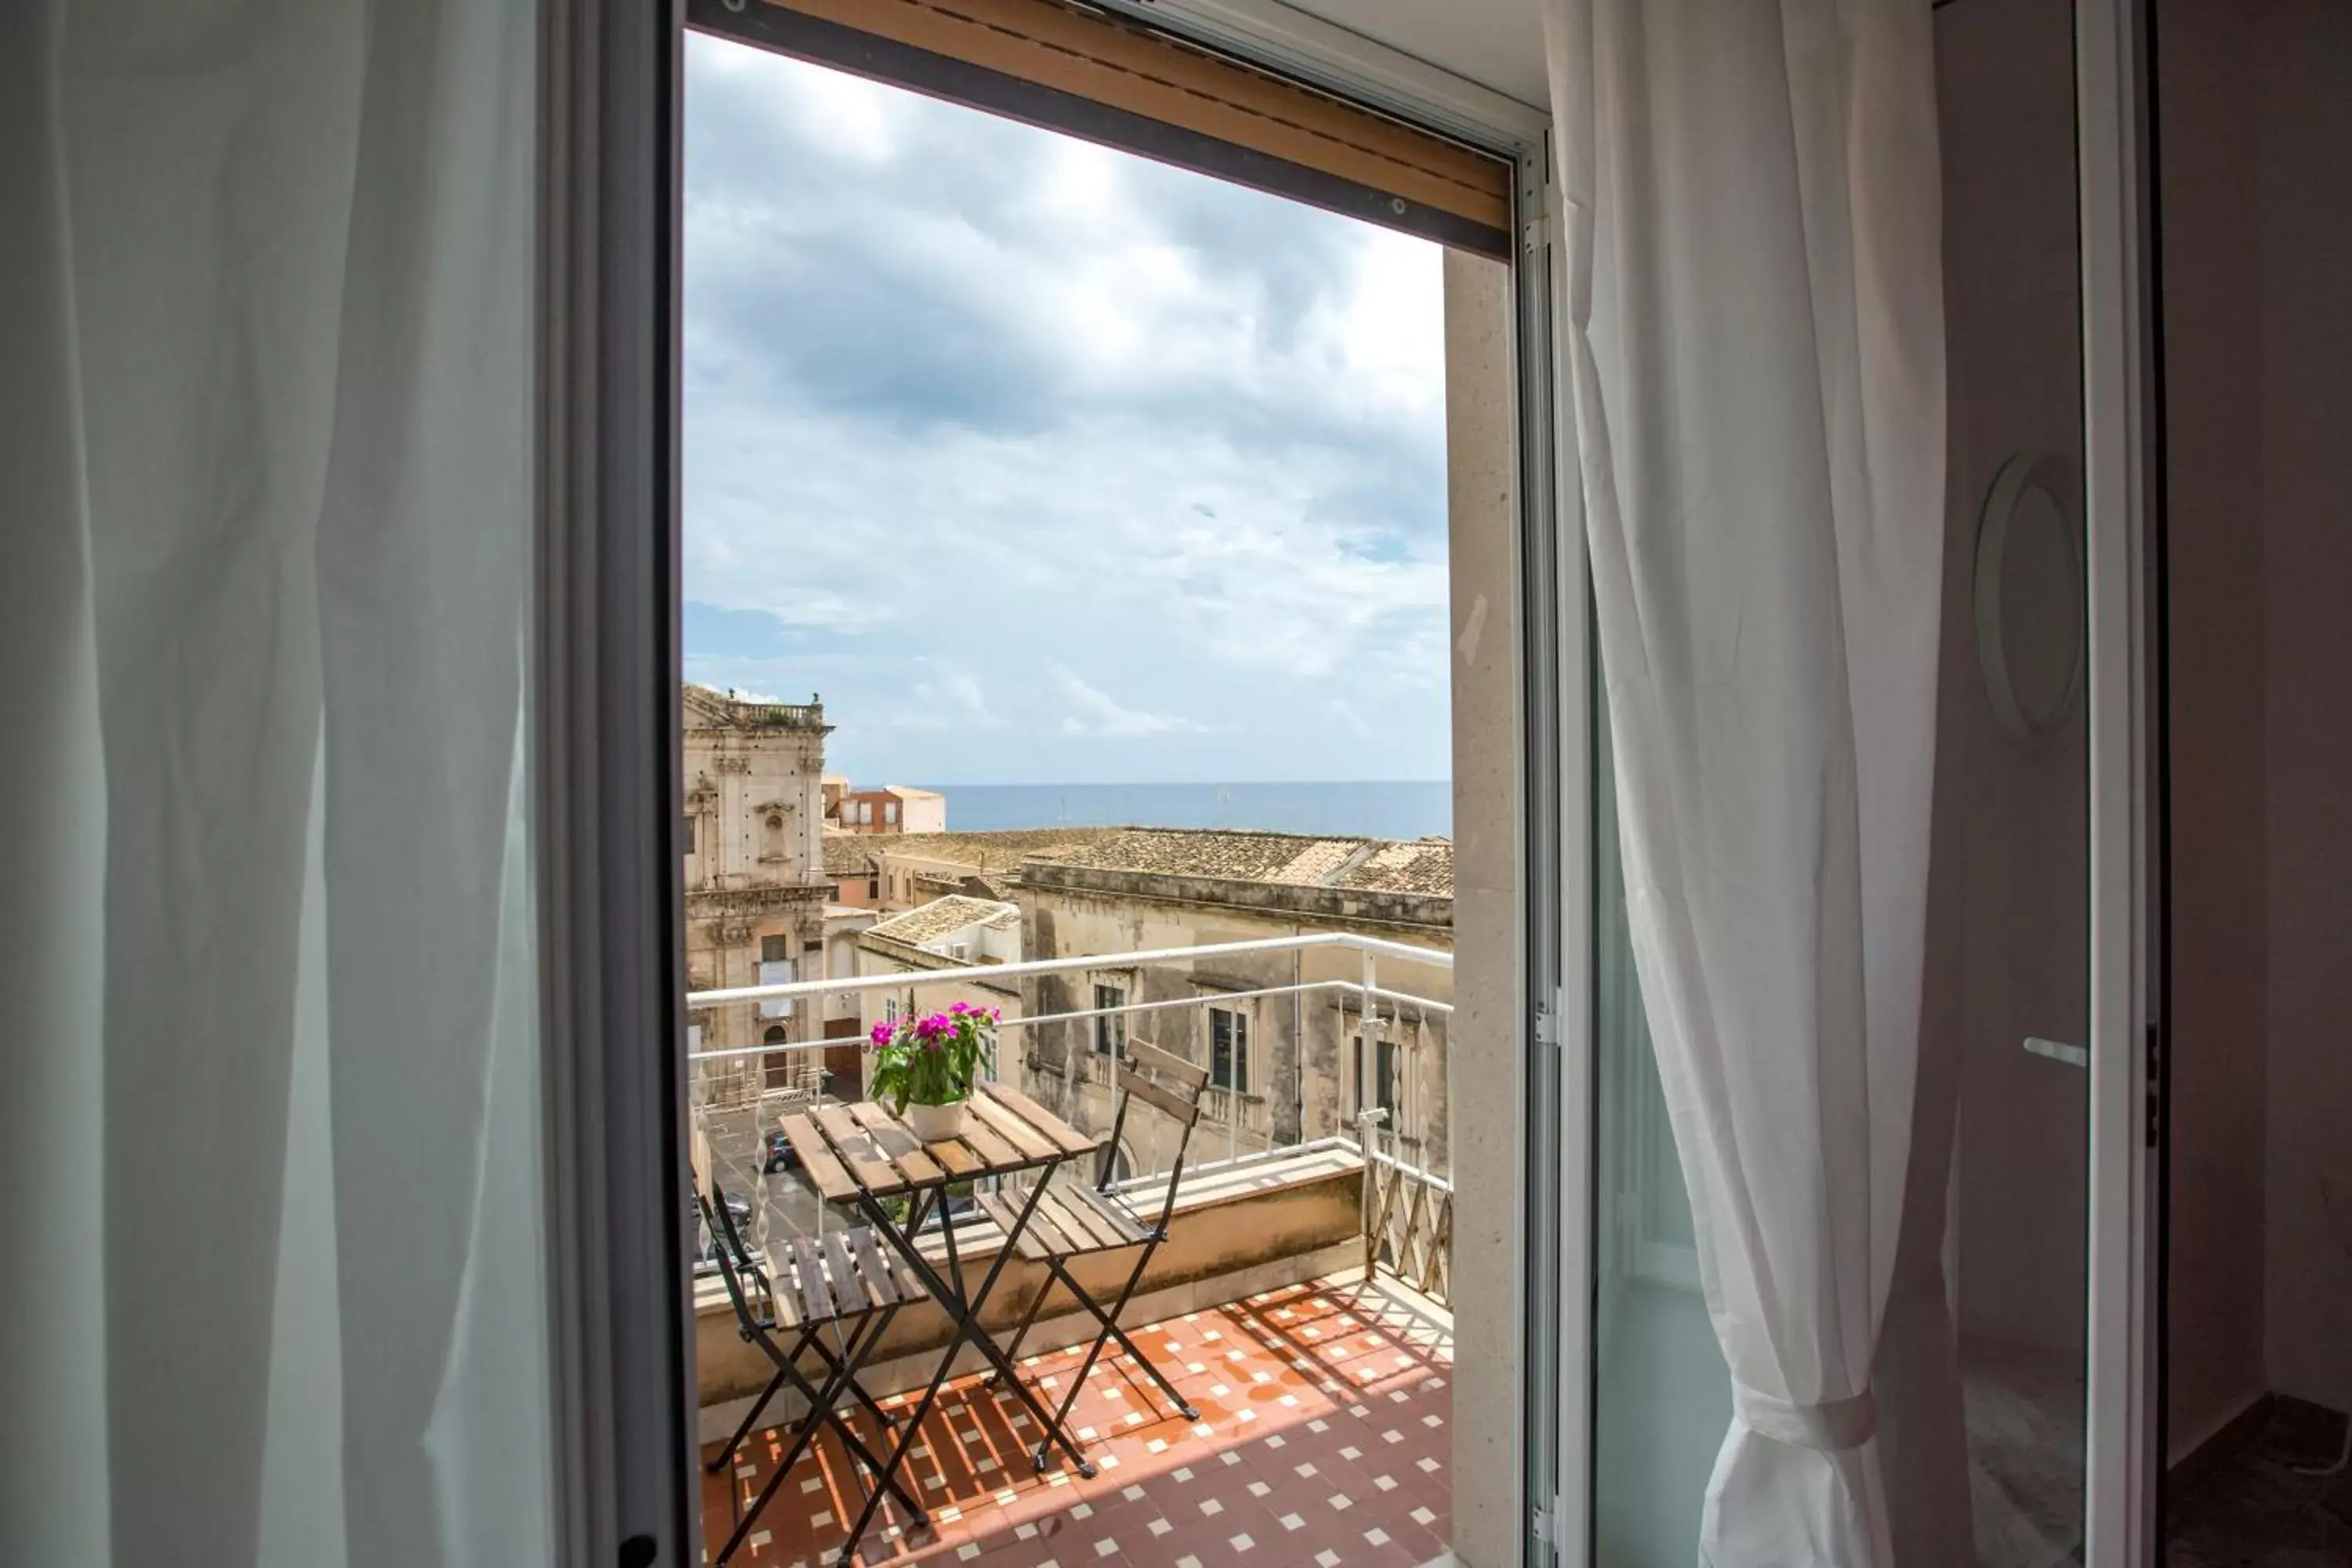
[1549, 1014]
[1544, 1524]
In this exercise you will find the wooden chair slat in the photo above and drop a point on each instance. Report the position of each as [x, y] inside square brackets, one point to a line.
[776, 1284]
[888, 1280]
[1104, 1231]
[1071, 1233]
[1183, 1111]
[817, 1301]
[898, 1144]
[1009, 1126]
[850, 1288]
[1064, 1137]
[1145, 1055]
[832, 1179]
[868, 1166]
[1107, 1217]
[1033, 1244]
[700, 1159]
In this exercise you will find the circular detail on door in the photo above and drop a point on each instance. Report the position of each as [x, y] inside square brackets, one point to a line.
[2029, 598]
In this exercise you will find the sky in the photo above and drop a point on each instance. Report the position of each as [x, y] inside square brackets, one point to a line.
[1045, 463]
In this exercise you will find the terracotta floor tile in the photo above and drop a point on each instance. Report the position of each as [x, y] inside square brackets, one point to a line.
[1272, 1370]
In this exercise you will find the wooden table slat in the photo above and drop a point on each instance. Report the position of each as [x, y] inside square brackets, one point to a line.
[833, 1181]
[1063, 1136]
[992, 1151]
[957, 1155]
[872, 1170]
[1008, 1125]
[898, 1144]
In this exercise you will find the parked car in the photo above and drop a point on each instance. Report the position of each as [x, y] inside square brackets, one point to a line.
[780, 1155]
[706, 1254]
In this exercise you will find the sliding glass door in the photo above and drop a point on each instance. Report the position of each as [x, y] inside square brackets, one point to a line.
[2008, 1387]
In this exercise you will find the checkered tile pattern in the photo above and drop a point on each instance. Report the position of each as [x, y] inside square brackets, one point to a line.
[1322, 1440]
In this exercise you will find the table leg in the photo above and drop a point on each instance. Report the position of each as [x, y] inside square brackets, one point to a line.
[963, 1315]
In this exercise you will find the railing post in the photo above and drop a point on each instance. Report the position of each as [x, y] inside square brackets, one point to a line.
[1368, 1119]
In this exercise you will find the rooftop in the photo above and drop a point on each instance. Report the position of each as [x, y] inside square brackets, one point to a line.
[944, 916]
[851, 854]
[1424, 866]
[705, 708]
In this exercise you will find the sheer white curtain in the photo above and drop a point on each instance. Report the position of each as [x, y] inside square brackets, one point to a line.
[269, 991]
[1753, 345]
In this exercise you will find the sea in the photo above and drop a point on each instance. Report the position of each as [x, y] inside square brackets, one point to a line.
[1408, 809]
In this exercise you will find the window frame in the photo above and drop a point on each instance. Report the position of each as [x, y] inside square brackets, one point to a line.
[1236, 1063]
[1109, 1031]
[609, 638]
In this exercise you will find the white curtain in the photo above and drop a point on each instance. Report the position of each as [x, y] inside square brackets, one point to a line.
[1753, 352]
[269, 990]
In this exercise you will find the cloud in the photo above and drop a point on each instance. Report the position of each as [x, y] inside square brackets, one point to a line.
[1097, 713]
[979, 419]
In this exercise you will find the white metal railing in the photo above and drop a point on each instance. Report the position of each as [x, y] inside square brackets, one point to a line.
[1246, 1121]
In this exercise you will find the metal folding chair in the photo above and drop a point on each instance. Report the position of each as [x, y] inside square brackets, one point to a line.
[1077, 1222]
[842, 1280]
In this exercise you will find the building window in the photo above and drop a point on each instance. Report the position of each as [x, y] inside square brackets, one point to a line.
[689, 836]
[777, 967]
[1110, 1028]
[1229, 1049]
[889, 811]
[1383, 1087]
[776, 1067]
[873, 886]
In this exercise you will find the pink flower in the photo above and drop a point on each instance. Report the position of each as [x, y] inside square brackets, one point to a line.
[881, 1034]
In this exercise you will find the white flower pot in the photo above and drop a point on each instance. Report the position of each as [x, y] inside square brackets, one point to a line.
[937, 1123]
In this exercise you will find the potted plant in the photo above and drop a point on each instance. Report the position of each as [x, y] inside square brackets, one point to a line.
[924, 1068]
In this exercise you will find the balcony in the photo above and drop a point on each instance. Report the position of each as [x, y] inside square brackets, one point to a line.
[1299, 1302]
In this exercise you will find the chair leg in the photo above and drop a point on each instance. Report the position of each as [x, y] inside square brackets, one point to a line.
[803, 1437]
[1109, 1321]
[1013, 1349]
[881, 1323]
[758, 1406]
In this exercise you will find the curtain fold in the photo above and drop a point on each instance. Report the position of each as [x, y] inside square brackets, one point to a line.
[1752, 342]
[277, 461]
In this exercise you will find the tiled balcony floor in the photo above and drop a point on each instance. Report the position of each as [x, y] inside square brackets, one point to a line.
[1323, 1439]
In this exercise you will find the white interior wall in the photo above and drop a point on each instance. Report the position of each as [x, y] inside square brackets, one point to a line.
[2303, 66]
[2214, 468]
[2257, 137]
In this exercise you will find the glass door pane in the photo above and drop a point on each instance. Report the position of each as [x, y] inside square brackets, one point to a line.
[1991, 1275]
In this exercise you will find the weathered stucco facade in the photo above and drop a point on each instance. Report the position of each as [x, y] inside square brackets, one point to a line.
[1309, 1064]
[755, 882]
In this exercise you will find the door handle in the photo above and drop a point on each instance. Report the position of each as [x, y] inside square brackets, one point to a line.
[2058, 1051]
